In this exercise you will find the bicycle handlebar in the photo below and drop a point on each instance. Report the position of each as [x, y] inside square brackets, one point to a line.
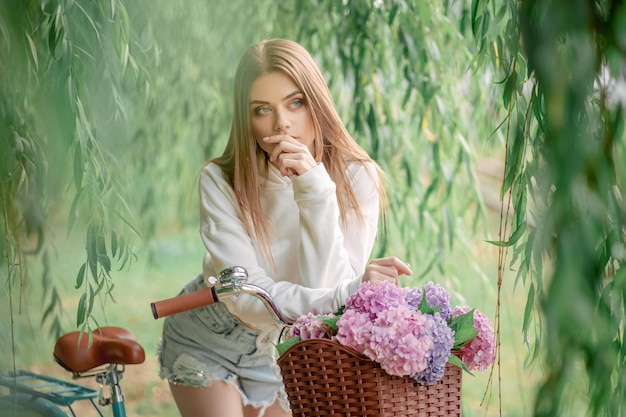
[184, 302]
[233, 281]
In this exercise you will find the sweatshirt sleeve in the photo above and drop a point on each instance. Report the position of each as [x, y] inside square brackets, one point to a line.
[330, 251]
[228, 244]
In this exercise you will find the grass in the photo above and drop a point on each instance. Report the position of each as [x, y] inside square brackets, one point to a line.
[178, 257]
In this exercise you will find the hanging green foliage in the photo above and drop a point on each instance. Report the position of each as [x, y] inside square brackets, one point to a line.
[65, 63]
[562, 68]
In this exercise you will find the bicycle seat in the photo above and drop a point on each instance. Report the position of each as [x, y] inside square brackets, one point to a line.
[108, 345]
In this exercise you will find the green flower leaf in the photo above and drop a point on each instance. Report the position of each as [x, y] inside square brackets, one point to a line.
[455, 360]
[330, 321]
[424, 307]
[463, 327]
[284, 346]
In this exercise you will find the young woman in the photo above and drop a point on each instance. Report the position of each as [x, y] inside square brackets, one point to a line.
[295, 201]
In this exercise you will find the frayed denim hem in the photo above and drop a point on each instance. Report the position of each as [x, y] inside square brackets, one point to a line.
[263, 406]
[191, 372]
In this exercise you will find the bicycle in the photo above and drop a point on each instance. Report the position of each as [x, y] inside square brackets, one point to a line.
[106, 355]
[233, 281]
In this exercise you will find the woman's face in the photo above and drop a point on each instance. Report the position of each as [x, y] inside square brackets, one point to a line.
[278, 107]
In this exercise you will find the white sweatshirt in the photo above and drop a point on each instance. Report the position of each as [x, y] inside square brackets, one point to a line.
[318, 261]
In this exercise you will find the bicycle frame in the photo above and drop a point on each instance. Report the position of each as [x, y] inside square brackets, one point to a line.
[46, 394]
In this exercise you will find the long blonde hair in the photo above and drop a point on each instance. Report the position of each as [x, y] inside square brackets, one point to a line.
[333, 145]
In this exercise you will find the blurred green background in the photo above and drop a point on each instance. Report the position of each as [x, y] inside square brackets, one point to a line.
[499, 125]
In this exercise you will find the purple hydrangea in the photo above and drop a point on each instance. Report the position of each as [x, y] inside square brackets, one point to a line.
[414, 298]
[436, 297]
[443, 339]
[372, 299]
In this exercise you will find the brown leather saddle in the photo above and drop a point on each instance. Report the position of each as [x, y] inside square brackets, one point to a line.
[109, 344]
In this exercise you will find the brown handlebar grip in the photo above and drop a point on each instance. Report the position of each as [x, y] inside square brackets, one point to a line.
[184, 302]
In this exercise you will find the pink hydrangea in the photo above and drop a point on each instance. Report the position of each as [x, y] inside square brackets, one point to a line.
[354, 330]
[311, 327]
[372, 299]
[400, 341]
[480, 353]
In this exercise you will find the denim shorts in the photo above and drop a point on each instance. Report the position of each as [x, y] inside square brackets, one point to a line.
[209, 343]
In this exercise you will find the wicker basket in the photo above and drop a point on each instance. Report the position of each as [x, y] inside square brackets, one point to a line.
[324, 378]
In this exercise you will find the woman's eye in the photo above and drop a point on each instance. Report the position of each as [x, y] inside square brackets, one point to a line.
[297, 103]
[262, 110]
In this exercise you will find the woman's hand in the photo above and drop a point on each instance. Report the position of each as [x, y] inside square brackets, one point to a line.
[386, 269]
[290, 156]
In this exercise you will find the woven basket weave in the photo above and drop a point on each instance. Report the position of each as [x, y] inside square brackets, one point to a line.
[324, 378]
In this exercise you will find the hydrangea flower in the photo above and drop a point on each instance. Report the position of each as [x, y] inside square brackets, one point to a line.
[436, 297]
[480, 352]
[386, 324]
[311, 327]
[400, 340]
[354, 329]
[414, 297]
[443, 339]
[372, 299]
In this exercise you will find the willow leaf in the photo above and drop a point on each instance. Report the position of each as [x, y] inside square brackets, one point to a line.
[509, 89]
[105, 262]
[80, 277]
[113, 243]
[528, 311]
[78, 166]
[82, 310]
[92, 252]
[33, 51]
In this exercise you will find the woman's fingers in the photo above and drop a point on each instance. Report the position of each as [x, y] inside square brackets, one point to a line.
[375, 277]
[284, 144]
[290, 155]
[401, 267]
[386, 269]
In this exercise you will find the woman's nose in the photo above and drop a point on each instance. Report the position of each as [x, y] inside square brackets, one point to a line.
[282, 123]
